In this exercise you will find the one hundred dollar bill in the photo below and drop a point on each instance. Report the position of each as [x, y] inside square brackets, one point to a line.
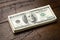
[31, 18]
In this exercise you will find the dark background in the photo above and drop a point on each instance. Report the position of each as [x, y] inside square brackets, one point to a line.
[46, 32]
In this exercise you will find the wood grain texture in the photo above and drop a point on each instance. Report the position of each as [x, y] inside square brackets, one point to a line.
[46, 32]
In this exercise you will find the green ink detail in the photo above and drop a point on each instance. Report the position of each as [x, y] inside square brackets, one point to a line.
[42, 14]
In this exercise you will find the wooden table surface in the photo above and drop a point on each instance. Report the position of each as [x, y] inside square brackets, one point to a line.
[47, 32]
